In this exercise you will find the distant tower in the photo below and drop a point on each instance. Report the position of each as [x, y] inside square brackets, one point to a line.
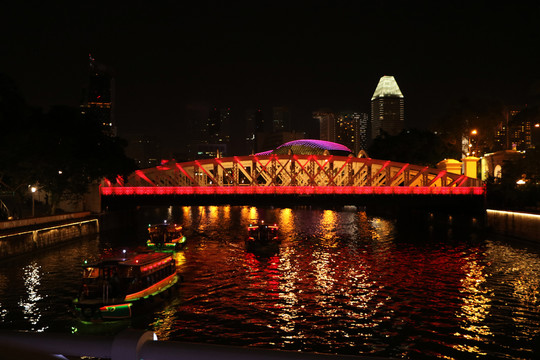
[254, 128]
[281, 119]
[216, 137]
[349, 127]
[327, 124]
[213, 126]
[387, 108]
[363, 132]
[98, 100]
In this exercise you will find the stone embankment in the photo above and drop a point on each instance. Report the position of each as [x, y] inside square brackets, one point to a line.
[518, 225]
[26, 235]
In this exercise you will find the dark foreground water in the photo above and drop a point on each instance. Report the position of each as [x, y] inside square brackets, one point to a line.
[338, 282]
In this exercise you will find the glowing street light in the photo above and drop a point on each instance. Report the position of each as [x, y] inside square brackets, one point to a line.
[472, 141]
[33, 190]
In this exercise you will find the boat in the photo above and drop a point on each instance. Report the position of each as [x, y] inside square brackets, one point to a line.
[115, 287]
[165, 237]
[262, 233]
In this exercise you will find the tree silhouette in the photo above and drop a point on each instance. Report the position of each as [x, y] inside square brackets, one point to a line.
[60, 150]
[419, 147]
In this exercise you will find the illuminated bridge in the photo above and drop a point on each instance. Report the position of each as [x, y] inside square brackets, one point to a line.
[288, 174]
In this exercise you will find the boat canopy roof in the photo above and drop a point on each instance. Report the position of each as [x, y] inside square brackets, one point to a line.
[140, 259]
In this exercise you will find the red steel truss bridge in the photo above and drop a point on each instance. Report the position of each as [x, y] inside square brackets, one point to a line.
[300, 178]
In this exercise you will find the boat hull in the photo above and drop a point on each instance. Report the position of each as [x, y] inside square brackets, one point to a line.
[91, 310]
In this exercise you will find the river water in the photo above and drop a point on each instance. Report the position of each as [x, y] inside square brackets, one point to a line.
[339, 281]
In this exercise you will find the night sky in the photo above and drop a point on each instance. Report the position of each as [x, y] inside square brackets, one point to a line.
[170, 56]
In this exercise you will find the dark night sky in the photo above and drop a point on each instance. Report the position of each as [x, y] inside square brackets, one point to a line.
[305, 54]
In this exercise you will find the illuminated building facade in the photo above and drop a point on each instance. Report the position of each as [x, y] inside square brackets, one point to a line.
[516, 132]
[520, 134]
[216, 137]
[387, 108]
[351, 130]
[363, 124]
[98, 98]
[501, 136]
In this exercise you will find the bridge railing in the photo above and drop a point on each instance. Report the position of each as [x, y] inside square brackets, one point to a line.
[134, 345]
[293, 170]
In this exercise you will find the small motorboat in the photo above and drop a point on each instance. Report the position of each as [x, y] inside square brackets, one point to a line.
[165, 237]
[262, 233]
[114, 287]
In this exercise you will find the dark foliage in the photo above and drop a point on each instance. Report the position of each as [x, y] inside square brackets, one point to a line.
[415, 147]
[505, 193]
[60, 151]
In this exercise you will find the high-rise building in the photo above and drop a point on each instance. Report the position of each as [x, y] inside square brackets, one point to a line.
[98, 99]
[281, 119]
[349, 126]
[387, 108]
[216, 138]
[520, 130]
[516, 131]
[364, 135]
[254, 128]
[144, 149]
[327, 124]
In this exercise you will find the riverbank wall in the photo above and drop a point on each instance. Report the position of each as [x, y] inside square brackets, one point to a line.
[27, 235]
[518, 225]
[22, 236]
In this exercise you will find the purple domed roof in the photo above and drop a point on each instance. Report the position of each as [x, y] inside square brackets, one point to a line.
[309, 147]
[316, 144]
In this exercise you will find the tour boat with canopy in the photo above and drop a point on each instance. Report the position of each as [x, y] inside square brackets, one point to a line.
[164, 237]
[262, 233]
[114, 286]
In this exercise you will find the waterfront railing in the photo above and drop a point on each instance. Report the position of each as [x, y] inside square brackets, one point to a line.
[133, 344]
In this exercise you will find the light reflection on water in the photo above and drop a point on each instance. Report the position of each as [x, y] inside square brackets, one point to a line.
[339, 281]
[30, 302]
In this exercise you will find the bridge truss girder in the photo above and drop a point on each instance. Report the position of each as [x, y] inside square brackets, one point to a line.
[294, 170]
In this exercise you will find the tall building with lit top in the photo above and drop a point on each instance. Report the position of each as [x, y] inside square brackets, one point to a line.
[387, 108]
[98, 99]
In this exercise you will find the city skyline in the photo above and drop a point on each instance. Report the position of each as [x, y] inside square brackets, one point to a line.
[170, 59]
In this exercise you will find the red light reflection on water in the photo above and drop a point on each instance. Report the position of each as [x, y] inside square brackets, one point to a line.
[338, 282]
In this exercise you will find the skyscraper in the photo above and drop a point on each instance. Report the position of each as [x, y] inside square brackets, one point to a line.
[387, 108]
[98, 99]
[327, 124]
[281, 119]
[364, 136]
[216, 137]
[255, 128]
[349, 130]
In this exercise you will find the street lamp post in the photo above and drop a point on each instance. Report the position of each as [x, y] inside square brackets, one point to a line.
[33, 190]
[473, 143]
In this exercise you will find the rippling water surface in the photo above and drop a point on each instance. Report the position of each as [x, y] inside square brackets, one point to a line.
[339, 281]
